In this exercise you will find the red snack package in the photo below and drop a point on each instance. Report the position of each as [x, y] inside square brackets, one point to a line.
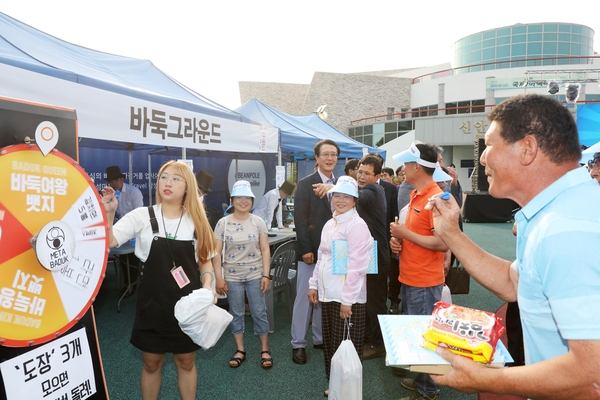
[464, 331]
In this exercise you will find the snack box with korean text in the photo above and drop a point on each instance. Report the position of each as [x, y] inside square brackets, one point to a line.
[403, 339]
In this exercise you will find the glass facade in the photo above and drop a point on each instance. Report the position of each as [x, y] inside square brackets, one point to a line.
[379, 134]
[524, 42]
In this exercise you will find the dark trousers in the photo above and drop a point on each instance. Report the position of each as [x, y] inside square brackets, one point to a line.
[514, 332]
[334, 326]
[394, 284]
[376, 304]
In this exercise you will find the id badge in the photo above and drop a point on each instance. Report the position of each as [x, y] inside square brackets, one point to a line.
[180, 277]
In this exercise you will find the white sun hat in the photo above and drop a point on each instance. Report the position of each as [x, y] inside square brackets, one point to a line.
[242, 188]
[346, 185]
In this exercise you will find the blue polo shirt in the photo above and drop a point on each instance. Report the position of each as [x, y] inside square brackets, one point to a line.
[558, 238]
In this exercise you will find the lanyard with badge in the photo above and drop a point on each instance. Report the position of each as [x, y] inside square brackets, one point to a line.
[177, 272]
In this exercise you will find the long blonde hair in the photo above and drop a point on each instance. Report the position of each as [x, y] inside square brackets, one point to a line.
[206, 245]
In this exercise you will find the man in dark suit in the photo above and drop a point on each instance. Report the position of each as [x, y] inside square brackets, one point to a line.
[372, 208]
[392, 211]
[312, 210]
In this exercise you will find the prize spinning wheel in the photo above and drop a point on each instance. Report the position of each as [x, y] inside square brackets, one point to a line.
[53, 241]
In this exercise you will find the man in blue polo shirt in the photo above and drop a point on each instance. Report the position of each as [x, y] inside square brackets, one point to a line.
[532, 157]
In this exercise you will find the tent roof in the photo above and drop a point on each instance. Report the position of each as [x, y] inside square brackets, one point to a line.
[25, 47]
[299, 134]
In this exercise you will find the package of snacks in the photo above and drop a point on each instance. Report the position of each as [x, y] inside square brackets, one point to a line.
[464, 331]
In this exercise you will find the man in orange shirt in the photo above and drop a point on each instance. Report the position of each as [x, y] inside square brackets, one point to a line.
[421, 253]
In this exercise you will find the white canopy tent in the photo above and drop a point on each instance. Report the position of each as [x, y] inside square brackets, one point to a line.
[119, 98]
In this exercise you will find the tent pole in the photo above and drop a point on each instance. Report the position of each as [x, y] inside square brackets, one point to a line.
[236, 168]
[279, 156]
[130, 167]
[183, 153]
[149, 180]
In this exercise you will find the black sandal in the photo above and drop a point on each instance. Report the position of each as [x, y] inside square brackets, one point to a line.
[266, 362]
[238, 361]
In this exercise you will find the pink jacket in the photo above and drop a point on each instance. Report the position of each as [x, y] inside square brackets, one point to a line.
[350, 288]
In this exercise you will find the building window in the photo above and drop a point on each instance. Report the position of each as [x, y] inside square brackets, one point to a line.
[391, 127]
[405, 125]
[390, 113]
[433, 110]
[450, 108]
[390, 136]
[478, 103]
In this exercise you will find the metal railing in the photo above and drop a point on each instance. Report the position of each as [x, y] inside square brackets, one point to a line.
[525, 62]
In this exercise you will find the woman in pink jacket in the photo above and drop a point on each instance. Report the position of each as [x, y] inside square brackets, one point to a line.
[342, 295]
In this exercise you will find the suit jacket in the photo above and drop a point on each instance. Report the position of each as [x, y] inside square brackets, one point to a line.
[310, 215]
[372, 209]
[391, 199]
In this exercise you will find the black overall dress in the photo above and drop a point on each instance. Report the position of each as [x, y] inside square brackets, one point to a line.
[155, 328]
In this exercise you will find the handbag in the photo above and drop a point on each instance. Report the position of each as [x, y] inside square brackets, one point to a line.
[345, 378]
[458, 279]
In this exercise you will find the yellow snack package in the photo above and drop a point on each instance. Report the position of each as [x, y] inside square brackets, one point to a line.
[464, 331]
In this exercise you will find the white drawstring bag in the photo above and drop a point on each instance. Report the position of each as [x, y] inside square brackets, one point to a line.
[345, 377]
[200, 319]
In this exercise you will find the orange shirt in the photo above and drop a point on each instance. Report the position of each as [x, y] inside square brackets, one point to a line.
[420, 267]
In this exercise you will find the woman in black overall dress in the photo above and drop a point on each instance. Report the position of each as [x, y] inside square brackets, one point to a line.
[174, 264]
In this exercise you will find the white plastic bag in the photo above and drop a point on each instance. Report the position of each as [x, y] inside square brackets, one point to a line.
[446, 295]
[345, 377]
[200, 319]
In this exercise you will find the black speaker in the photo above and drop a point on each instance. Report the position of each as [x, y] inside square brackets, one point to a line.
[482, 183]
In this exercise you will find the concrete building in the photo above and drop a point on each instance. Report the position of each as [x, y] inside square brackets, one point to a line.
[447, 104]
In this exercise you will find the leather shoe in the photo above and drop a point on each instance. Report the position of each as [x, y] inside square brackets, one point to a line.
[373, 351]
[299, 355]
[319, 346]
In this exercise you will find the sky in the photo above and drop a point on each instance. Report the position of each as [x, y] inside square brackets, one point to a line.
[209, 46]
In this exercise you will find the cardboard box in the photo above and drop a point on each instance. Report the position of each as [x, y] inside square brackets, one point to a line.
[403, 339]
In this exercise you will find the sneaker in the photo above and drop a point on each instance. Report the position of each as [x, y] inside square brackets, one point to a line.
[394, 307]
[410, 385]
[419, 396]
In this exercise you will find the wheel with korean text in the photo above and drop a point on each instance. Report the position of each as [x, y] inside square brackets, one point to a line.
[53, 236]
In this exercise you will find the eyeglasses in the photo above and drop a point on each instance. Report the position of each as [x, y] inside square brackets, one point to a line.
[342, 197]
[594, 164]
[243, 198]
[174, 179]
[328, 155]
[366, 174]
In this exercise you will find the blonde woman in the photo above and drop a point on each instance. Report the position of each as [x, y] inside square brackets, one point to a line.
[175, 243]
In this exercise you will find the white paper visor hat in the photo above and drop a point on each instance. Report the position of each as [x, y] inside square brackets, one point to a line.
[413, 155]
[440, 176]
[346, 185]
[242, 188]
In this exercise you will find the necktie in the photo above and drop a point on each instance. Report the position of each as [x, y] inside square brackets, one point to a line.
[330, 182]
[274, 221]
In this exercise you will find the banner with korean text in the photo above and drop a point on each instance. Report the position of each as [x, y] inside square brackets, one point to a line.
[106, 115]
